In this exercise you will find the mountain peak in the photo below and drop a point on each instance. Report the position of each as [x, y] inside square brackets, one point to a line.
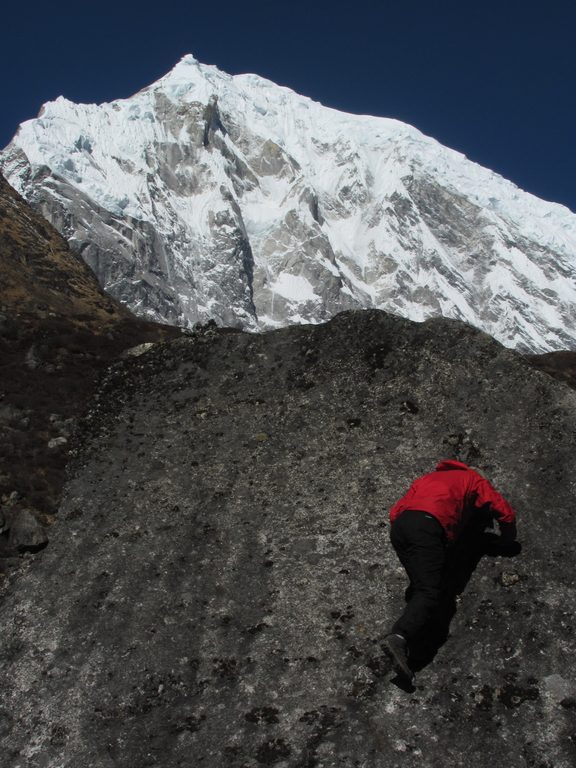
[188, 59]
[273, 210]
[189, 80]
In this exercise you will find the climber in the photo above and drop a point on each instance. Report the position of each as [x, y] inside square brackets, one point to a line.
[425, 524]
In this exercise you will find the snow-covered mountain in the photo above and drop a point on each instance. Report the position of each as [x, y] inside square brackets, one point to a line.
[212, 196]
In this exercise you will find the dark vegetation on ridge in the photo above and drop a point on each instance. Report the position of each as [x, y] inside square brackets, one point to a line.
[58, 332]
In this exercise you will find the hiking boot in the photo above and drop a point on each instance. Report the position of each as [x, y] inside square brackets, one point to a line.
[395, 647]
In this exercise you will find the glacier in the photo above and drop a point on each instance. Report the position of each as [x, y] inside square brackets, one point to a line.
[211, 196]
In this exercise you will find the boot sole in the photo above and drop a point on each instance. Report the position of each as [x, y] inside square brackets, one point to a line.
[399, 661]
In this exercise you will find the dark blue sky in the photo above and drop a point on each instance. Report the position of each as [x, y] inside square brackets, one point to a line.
[495, 80]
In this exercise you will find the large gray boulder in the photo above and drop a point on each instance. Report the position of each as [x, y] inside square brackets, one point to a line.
[215, 590]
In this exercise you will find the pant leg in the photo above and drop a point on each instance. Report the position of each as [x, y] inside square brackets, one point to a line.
[420, 544]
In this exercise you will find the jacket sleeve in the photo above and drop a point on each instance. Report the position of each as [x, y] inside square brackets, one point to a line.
[487, 494]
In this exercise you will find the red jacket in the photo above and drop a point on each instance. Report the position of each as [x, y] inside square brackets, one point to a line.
[451, 492]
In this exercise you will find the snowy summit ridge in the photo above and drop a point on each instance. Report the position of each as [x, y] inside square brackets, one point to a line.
[207, 195]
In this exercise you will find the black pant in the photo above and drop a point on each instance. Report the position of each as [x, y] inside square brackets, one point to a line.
[420, 543]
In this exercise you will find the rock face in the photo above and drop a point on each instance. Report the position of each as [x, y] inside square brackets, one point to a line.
[206, 196]
[214, 592]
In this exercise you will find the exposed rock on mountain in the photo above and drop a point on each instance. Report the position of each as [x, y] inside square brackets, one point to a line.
[209, 196]
[215, 590]
[58, 332]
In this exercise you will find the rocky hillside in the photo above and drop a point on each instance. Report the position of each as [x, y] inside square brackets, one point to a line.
[220, 575]
[58, 332]
[206, 196]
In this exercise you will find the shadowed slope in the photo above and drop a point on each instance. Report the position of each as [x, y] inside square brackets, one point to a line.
[560, 365]
[215, 592]
[58, 331]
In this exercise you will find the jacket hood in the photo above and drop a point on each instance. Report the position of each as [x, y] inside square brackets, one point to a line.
[450, 464]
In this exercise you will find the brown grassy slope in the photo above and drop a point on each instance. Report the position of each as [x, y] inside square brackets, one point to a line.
[58, 330]
[40, 275]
